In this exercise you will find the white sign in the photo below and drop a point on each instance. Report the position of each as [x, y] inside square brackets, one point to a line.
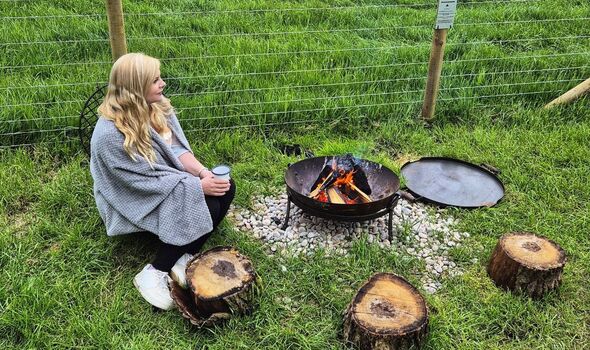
[445, 14]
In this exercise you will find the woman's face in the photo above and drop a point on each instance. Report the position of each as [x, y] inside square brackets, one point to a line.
[154, 93]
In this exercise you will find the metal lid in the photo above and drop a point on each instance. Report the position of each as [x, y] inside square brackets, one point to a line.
[452, 182]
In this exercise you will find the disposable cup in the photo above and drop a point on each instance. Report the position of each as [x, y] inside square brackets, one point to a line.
[221, 172]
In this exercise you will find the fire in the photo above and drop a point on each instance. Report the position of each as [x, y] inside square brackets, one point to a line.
[322, 197]
[345, 178]
[339, 185]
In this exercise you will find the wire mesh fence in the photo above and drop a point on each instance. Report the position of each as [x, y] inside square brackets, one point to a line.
[261, 64]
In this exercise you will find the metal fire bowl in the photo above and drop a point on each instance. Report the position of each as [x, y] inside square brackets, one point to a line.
[300, 176]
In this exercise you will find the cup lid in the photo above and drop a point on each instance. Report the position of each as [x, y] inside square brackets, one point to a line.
[221, 170]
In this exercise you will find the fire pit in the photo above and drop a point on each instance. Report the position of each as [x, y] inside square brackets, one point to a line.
[378, 196]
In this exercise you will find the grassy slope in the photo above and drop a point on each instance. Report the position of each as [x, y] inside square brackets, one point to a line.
[210, 84]
[66, 285]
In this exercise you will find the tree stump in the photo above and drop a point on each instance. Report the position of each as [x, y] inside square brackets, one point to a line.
[221, 282]
[387, 313]
[526, 263]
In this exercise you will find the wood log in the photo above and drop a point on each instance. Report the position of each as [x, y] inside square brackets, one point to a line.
[116, 28]
[525, 263]
[185, 303]
[364, 197]
[221, 282]
[434, 72]
[572, 94]
[387, 313]
[334, 196]
[320, 187]
[324, 174]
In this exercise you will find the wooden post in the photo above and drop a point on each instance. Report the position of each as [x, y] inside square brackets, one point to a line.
[116, 28]
[571, 95]
[434, 69]
[444, 20]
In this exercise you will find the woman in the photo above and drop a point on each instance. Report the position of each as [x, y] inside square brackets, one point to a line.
[147, 179]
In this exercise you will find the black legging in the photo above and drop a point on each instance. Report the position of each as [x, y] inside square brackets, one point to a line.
[167, 254]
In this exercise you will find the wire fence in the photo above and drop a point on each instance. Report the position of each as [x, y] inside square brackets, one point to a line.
[281, 66]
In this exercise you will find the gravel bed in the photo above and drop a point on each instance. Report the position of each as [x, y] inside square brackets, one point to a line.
[424, 232]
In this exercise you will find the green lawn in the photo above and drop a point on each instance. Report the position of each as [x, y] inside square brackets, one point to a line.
[345, 79]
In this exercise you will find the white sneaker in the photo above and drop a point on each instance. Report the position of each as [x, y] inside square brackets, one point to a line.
[152, 284]
[178, 272]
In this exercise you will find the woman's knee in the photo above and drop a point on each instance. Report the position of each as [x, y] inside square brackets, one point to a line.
[228, 197]
[232, 188]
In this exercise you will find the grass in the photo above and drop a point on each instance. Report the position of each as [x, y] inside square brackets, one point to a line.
[228, 67]
[66, 285]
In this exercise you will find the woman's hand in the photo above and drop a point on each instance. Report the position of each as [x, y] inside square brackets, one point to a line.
[205, 173]
[214, 187]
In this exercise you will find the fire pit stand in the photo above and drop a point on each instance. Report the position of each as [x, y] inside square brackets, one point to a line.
[300, 177]
[349, 217]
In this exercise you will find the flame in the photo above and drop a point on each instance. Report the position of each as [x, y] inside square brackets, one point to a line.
[345, 178]
[343, 181]
[322, 197]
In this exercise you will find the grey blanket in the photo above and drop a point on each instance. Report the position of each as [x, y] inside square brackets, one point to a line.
[133, 197]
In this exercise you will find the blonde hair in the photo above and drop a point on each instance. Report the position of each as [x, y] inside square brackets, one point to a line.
[125, 104]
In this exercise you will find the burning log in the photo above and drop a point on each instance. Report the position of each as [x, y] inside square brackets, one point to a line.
[335, 196]
[387, 313]
[526, 263]
[365, 198]
[346, 174]
[350, 164]
[222, 282]
[321, 186]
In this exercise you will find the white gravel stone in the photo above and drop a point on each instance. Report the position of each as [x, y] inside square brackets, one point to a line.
[415, 232]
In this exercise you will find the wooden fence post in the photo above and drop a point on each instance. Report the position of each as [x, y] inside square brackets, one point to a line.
[116, 28]
[434, 69]
[571, 95]
[444, 20]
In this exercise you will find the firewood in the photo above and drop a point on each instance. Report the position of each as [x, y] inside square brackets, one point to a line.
[320, 187]
[321, 177]
[387, 313]
[365, 198]
[222, 283]
[334, 196]
[526, 263]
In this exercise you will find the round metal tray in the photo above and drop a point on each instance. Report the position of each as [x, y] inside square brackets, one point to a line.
[452, 182]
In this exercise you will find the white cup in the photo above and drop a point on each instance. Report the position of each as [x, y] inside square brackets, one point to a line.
[221, 172]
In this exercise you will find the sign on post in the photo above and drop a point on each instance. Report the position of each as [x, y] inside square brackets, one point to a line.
[445, 14]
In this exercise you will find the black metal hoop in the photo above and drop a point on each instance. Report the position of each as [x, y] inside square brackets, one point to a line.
[89, 117]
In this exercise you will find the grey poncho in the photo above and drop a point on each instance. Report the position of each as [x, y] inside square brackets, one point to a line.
[131, 196]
